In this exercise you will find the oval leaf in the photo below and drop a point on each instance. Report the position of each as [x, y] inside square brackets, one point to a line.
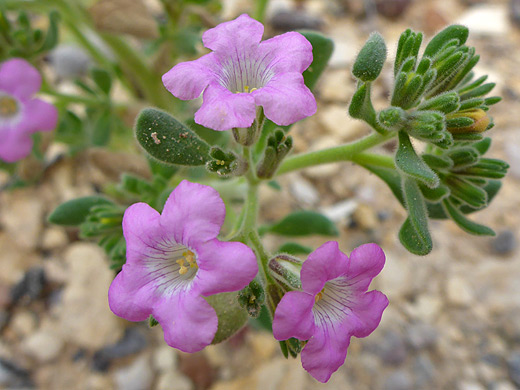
[75, 211]
[370, 59]
[168, 140]
[303, 223]
[464, 223]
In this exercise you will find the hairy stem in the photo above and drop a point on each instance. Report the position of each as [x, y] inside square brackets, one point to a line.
[338, 153]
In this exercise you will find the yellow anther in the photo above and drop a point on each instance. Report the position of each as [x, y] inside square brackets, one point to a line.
[246, 88]
[318, 296]
[253, 89]
[8, 106]
[189, 257]
[180, 262]
[183, 270]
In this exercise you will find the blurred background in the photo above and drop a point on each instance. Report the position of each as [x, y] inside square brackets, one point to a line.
[454, 315]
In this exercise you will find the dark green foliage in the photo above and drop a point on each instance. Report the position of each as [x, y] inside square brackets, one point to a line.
[371, 58]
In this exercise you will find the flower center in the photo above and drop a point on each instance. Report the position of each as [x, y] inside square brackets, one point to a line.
[319, 296]
[8, 106]
[245, 73]
[186, 262]
[332, 302]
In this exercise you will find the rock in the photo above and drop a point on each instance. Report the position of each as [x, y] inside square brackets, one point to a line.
[514, 11]
[12, 376]
[136, 376]
[340, 211]
[396, 278]
[197, 367]
[84, 317]
[365, 217]
[486, 20]
[303, 191]
[31, 285]
[69, 61]
[399, 380]
[392, 8]
[503, 385]
[392, 349]
[504, 243]
[421, 335]
[470, 385]
[513, 364]
[133, 341]
[53, 238]
[285, 20]
[424, 372]
[337, 86]
[44, 345]
[426, 307]
[165, 358]
[339, 125]
[169, 378]
[23, 323]
[23, 221]
[458, 291]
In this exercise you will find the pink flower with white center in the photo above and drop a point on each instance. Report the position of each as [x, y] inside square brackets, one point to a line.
[174, 259]
[20, 114]
[242, 73]
[333, 306]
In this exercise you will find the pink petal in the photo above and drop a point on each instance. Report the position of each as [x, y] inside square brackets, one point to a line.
[224, 266]
[289, 52]
[39, 116]
[187, 80]
[131, 296]
[188, 321]
[324, 264]
[19, 78]
[15, 144]
[142, 231]
[367, 310]
[326, 351]
[286, 99]
[193, 214]
[366, 262]
[223, 110]
[238, 35]
[293, 316]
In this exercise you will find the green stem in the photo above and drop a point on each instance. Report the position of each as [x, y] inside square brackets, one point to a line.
[261, 6]
[374, 159]
[338, 153]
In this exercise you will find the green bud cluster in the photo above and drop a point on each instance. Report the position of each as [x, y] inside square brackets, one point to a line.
[278, 146]
[251, 298]
[225, 163]
[436, 100]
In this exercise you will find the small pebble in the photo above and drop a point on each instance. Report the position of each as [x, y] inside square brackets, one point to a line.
[392, 8]
[393, 349]
[399, 380]
[513, 364]
[504, 243]
[31, 285]
[133, 341]
[285, 20]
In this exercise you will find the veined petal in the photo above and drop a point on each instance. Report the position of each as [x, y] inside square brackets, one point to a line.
[324, 264]
[142, 232]
[236, 35]
[289, 52]
[193, 214]
[224, 267]
[130, 295]
[19, 78]
[366, 262]
[38, 116]
[326, 350]
[187, 80]
[293, 316]
[286, 99]
[223, 110]
[367, 309]
[15, 144]
[188, 321]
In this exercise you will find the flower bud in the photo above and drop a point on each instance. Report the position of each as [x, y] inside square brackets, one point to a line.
[468, 121]
[392, 118]
[285, 269]
[278, 146]
[225, 164]
[252, 297]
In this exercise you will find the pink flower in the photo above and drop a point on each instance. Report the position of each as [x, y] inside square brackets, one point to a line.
[173, 260]
[20, 114]
[242, 73]
[333, 306]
